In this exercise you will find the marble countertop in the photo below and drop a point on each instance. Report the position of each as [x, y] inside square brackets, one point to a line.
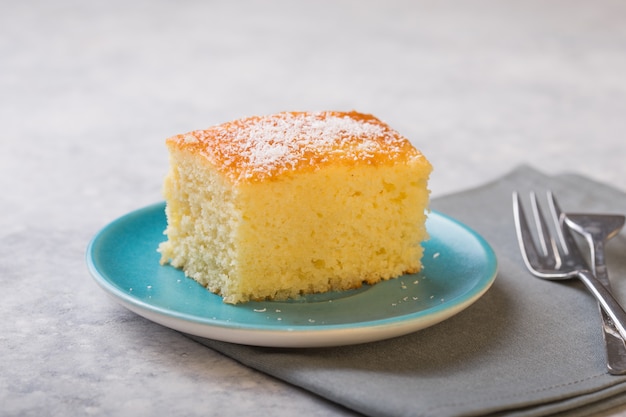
[89, 91]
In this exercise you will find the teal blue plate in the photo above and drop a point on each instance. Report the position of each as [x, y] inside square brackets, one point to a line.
[459, 267]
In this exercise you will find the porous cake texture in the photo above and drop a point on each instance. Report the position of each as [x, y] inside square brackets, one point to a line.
[273, 207]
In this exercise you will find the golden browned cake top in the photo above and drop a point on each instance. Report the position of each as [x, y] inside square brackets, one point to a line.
[261, 147]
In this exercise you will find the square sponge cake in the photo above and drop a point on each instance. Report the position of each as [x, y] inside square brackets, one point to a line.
[274, 207]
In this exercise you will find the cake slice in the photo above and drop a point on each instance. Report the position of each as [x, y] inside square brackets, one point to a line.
[277, 206]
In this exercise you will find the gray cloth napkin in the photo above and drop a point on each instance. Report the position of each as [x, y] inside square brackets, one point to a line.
[527, 348]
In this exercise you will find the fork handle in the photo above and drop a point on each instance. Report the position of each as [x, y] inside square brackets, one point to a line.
[615, 347]
[608, 303]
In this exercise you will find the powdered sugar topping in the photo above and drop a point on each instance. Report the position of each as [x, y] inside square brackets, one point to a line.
[259, 147]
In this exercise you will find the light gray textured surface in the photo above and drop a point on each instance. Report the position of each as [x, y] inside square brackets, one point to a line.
[89, 91]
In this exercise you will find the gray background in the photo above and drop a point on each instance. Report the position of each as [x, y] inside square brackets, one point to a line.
[89, 91]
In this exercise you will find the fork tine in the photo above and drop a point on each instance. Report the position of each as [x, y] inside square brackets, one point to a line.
[524, 236]
[548, 244]
[565, 238]
[568, 244]
[556, 212]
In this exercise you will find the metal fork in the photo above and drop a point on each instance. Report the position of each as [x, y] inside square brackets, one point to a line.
[597, 229]
[554, 260]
